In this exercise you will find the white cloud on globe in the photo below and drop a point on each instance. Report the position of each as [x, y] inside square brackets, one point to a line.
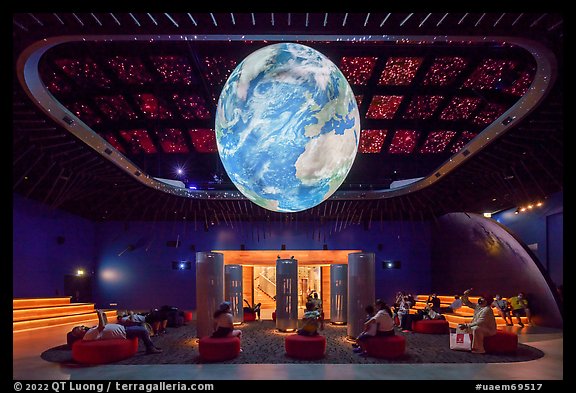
[287, 127]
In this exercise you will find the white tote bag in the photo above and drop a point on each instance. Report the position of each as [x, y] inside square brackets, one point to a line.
[460, 341]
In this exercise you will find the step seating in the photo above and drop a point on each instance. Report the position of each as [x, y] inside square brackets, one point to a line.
[463, 314]
[37, 313]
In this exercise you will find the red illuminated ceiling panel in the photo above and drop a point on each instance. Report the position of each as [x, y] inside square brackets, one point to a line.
[216, 70]
[56, 83]
[85, 113]
[383, 107]
[437, 141]
[111, 138]
[139, 141]
[191, 106]
[357, 70]
[371, 141]
[115, 107]
[84, 71]
[521, 85]
[174, 69]
[403, 142]
[444, 70]
[422, 107]
[153, 107]
[359, 99]
[399, 71]
[172, 140]
[129, 69]
[460, 108]
[491, 112]
[464, 138]
[489, 74]
[204, 140]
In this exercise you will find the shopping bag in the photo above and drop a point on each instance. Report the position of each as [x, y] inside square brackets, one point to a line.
[460, 341]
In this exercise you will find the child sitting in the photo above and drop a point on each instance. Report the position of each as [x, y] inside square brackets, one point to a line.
[310, 321]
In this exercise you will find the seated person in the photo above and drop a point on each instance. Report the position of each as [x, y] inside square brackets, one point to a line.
[310, 321]
[429, 313]
[158, 319]
[369, 328]
[130, 318]
[454, 306]
[107, 331]
[403, 309]
[503, 308]
[224, 322]
[384, 323]
[318, 307]
[519, 306]
[483, 322]
[434, 302]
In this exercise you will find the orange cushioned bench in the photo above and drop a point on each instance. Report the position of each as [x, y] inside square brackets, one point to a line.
[305, 347]
[218, 349]
[431, 326]
[104, 351]
[501, 342]
[387, 347]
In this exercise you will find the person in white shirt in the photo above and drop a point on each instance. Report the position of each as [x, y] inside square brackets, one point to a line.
[369, 328]
[384, 323]
[108, 331]
[483, 322]
[224, 322]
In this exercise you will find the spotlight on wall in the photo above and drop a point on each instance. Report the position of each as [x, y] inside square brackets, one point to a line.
[181, 265]
[390, 264]
[80, 272]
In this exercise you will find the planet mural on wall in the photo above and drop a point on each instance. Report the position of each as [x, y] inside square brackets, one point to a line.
[287, 127]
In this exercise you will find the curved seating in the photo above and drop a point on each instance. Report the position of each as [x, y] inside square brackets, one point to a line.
[387, 347]
[431, 326]
[305, 347]
[501, 342]
[218, 349]
[249, 316]
[104, 351]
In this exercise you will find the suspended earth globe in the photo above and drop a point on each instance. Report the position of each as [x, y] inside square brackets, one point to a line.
[287, 127]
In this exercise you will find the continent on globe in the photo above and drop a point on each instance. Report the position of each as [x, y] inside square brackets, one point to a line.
[287, 127]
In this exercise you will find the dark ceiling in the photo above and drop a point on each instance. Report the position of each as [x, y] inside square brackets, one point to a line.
[419, 104]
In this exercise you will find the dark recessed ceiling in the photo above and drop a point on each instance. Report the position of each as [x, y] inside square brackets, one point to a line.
[420, 103]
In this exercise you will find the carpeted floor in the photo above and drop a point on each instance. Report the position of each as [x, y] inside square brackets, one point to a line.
[261, 343]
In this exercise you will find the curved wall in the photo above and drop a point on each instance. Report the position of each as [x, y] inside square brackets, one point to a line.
[469, 250]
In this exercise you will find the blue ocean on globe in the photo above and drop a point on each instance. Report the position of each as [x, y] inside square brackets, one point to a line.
[287, 127]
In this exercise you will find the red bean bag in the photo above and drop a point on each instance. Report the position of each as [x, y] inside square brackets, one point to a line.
[501, 342]
[431, 326]
[305, 347]
[388, 347]
[187, 316]
[249, 316]
[104, 351]
[218, 349]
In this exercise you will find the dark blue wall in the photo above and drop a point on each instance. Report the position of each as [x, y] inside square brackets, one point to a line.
[541, 228]
[39, 262]
[144, 277]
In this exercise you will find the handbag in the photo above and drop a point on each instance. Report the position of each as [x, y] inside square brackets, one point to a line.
[460, 341]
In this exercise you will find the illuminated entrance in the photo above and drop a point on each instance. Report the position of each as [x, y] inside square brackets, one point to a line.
[259, 274]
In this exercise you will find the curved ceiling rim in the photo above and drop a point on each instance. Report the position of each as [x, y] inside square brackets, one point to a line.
[29, 78]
